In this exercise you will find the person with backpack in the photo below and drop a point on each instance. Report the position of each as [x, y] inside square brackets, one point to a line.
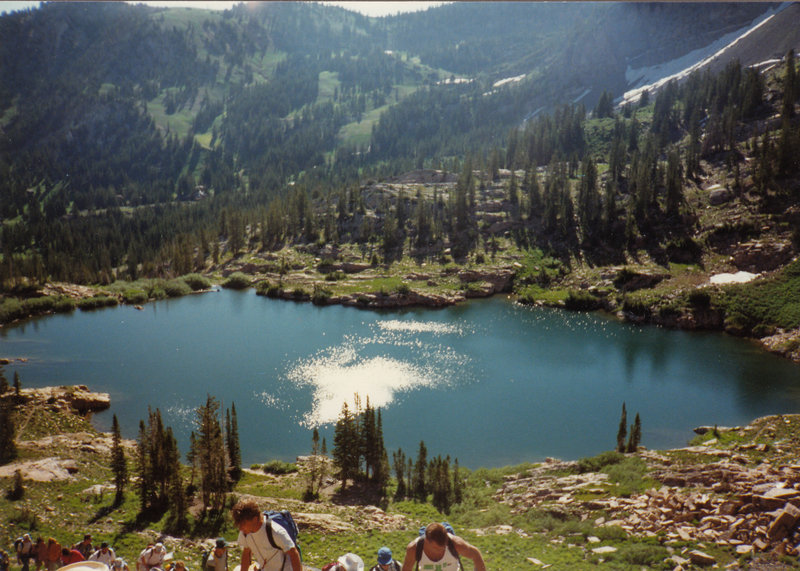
[25, 551]
[263, 540]
[385, 561]
[441, 550]
[217, 558]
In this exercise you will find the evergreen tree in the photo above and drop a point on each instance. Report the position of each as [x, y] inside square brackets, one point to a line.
[790, 86]
[212, 456]
[635, 436]
[17, 384]
[399, 462]
[440, 483]
[8, 445]
[674, 183]
[313, 468]
[419, 485]
[622, 432]
[588, 199]
[143, 468]
[346, 446]
[232, 443]
[119, 466]
[4, 386]
[458, 484]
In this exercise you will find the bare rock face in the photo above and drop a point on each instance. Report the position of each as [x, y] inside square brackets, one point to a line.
[762, 255]
[498, 280]
[75, 398]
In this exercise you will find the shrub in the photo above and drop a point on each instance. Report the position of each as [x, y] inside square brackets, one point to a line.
[299, 294]
[279, 467]
[237, 280]
[597, 463]
[335, 276]
[196, 281]
[320, 296]
[700, 299]
[11, 309]
[64, 305]
[134, 296]
[177, 288]
[36, 305]
[404, 289]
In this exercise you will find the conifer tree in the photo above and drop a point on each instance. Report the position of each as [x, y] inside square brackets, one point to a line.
[399, 461]
[635, 436]
[419, 485]
[790, 86]
[119, 465]
[232, 442]
[8, 445]
[346, 446]
[458, 484]
[588, 198]
[143, 468]
[622, 432]
[17, 384]
[4, 386]
[212, 455]
[674, 183]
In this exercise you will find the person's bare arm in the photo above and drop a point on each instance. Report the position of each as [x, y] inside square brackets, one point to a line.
[470, 552]
[294, 557]
[245, 559]
[411, 557]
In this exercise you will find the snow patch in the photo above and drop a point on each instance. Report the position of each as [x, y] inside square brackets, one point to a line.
[737, 278]
[514, 79]
[654, 77]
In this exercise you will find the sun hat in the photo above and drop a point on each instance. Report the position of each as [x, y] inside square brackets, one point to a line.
[351, 562]
[384, 556]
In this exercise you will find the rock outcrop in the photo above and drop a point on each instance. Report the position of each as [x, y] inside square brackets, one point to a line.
[77, 398]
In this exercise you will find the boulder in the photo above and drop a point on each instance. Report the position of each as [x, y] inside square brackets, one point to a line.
[700, 558]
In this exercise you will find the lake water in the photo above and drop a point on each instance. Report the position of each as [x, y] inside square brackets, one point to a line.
[488, 382]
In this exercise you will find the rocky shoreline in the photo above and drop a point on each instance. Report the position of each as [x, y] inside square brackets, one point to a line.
[69, 398]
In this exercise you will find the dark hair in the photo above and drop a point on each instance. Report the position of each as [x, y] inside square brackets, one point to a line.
[436, 533]
[245, 510]
[64, 551]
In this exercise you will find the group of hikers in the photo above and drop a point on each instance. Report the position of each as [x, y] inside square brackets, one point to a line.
[269, 543]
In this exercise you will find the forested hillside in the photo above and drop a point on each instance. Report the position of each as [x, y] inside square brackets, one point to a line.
[152, 142]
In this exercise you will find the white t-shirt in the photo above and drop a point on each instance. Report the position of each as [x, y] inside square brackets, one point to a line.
[448, 562]
[107, 557]
[263, 554]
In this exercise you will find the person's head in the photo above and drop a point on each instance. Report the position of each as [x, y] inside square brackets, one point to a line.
[104, 546]
[384, 556]
[51, 540]
[179, 566]
[436, 533]
[64, 551]
[87, 538]
[220, 545]
[26, 537]
[247, 516]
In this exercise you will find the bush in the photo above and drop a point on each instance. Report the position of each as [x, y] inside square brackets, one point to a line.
[11, 309]
[64, 305]
[700, 299]
[320, 296]
[335, 276]
[177, 288]
[197, 282]
[404, 289]
[134, 296]
[299, 294]
[597, 463]
[36, 305]
[237, 280]
[279, 467]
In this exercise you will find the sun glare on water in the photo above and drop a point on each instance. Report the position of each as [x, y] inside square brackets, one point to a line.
[398, 357]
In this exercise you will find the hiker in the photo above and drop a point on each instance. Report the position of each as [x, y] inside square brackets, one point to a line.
[85, 546]
[53, 555]
[40, 551]
[5, 560]
[351, 562]
[119, 565]
[70, 556]
[151, 557]
[104, 555]
[25, 551]
[179, 566]
[440, 550]
[385, 561]
[256, 544]
[217, 559]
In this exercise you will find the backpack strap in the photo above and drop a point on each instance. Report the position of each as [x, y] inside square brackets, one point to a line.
[268, 527]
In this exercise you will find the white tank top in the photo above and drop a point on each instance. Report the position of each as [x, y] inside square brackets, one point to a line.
[448, 562]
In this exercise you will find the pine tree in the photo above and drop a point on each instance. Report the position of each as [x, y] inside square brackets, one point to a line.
[313, 468]
[17, 384]
[622, 432]
[4, 386]
[143, 468]
[346, 446]
[232, 442]
[790, 87]
[119, 466]
[399, 462]
[635, 436]
[458, 484]
[674, 183]
[588, 198]
[8, 445]
[419, 485]
[212, 455]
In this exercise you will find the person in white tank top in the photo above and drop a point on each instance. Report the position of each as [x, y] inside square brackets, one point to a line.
[441, 551]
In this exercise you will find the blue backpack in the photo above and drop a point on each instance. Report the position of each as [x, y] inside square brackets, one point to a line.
[284, 519]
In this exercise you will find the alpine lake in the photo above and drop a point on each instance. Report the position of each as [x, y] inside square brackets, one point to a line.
[489, 382]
